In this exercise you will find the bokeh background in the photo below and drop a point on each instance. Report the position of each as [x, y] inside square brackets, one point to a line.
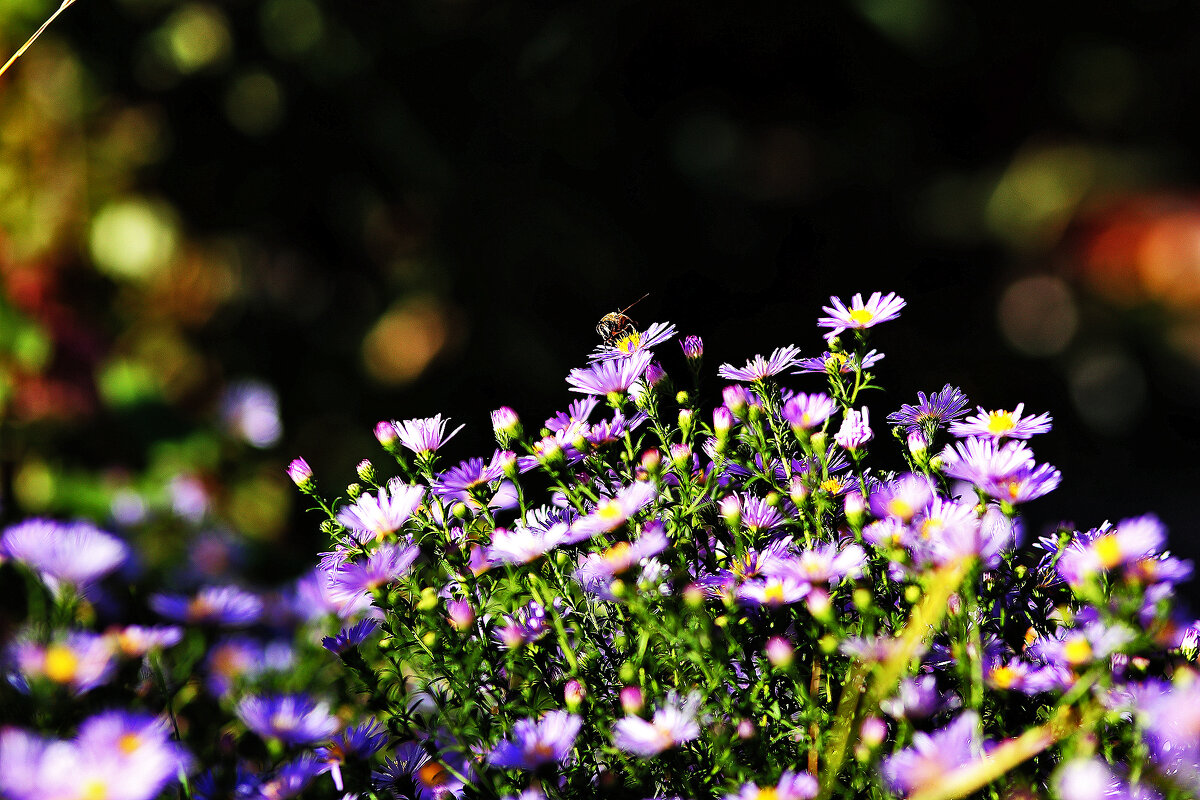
[236, 232]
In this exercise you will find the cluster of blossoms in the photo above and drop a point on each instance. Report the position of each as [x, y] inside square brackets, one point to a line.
[644, 599]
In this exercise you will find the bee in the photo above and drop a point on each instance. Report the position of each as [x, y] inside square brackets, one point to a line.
[615, 325]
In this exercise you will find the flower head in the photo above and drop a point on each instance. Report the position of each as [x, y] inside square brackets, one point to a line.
[423, 436]
[351, 637]
[844, 363]
[673, 724]
[535, 743]
[79, 660]
[931, 412]
[634, 342]
[807, 411]
[212, 605]
[385, 564]
[1002, 424]
[791, 786]
[859, 315]
[378, 515]
[855, 431]
[614, 512]
[291, 718]
[612, 376]
[933, 755]
[758, 368]
[77, 553]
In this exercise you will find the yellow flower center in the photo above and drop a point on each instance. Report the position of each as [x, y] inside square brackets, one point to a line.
[900, 508]
[60, 663]
[831, 485]
[1000, 422]
[861, 316]
[768, 793]
[1014, 489]
[1077, 651]
[129, 743]
[629, 344]
[931, 526]
[610, 512]
[1004, 677]
[1108, 550]
[93, 789]
[773, 593]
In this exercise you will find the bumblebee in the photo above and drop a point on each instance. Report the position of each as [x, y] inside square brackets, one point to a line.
[612, 327]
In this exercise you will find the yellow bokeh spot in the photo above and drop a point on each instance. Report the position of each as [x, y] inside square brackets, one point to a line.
[129, 743]
[1003, 677]
[132, 239]
[60, 663]
[94, 789]
[197, 36]
[406, 339]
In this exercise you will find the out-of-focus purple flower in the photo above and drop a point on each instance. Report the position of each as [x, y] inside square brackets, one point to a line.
[535, 743]
[1086, 779]
[525, 626]
[673, 724]
[859, 315]
[827, 563]
[361, 741]
[792, 786]
[933, 755]
[614, 512]
[77, 553]
[413, 773]
[634, 342]
[212, 605]
[902, 498]
[760, 368]
[423, 436]
[291, 718]
[351, 637]
[292, 778]
[986, 538]
[614, 376]
[1002, 424]
[838, 362]
[239, 658]
[1005, 472]
[249, 409]
[632, 701]
[385, 564]
[931, 412]
[807, 411]
[598, 570]
[779, 652]
[773, 591]
[855, 430]
[383, 513]
[523, 545]
[915, 699]
[1106, 549]
[80, 660]
[134, 641]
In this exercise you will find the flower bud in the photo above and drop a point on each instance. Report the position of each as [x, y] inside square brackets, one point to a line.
[736, 399]
[682, 398]
[460, 614]
[652, 461]
[798, 490]
[681, 456]
[817, 441]
[693, 349]
[429, 599]
[873, 732]
[693, 596]
[863, 599]
[746, 729]
[507, 460]
[573, 694]
[366, 471]
[627, 674]
[631, 698]
[722, 421]
[506, 425]
[856, 509]
[654, 375]
[354, 491]
[301, 474]
[730, 508]
[918, 444]
[549, 451]
[685, 421]
[819, 604]
[779, 652]
[385, 433]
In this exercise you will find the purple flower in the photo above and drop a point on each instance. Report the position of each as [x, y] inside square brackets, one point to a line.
[614, 512]
[759, 368]
[351, 637]
[80, 660]
[1086, 779]
[575, 416]
[249, 409]
[598, 570]
[916, 698]
[473, 474]
[413, 773]
[693, 348]
[1002, 424]
[290, 779]
[827, 563]
[773, 591]
[932, 756]
[838, 362]
[859, 315]
[855, 430]
[672, 725]
[291, 718]
[523, 545]
[933, 412]
[300, 473]
[613, 376]
[533, 744]
[525, 626]
[807, 411]
[77, 553]
[1133, 540]
[135, 641]
[385, 564]
[792, 786]
[902, 498]
[361, 741]
[634, 342]
[212, 605]
[423, 436]
[378, 515]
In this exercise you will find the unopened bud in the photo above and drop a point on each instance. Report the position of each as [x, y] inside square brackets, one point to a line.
[652, 461]
[685, 421]
[681, 456]
[429, 599]
[573, 694]
[819, 604]
[385, 433]
[460, 614]
[863, 599]
[918, 444]
[873, 732]
[354, 491]
[549, 451]
[301, 474]
[654, 375]
[779, 652]
[736, 399]
[627, 673]
[693, 349]
[506, 425]
[631, 697]
[730, 508]
[856, 509]
[722, 421]
[746, 729]
[366, 471]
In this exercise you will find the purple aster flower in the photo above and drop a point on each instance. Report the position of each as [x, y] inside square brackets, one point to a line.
[312, 598]
[807, 411]
[902, 498]
[80, 661]
[361, 742]
[249, 410]
[933, 755]
[1026, 483]
[614, 512]
[212, 605]
[385, 564]
[634, 342]
[351, 637]
[826, 563]
[759, 368]
[378, 515]
[424, 436]
[693, 348]
[838, 362]
[1002, 424]
[77, 553]
[673, 724]
[1006, 472]
[525, 626]
[290, 779]
[1087, 779]
[759, 516]
[533, 744]
[916, 698]
[300, 473]
[523, 545]
[613, 376]
[135, 641]
[473, 474]
[1108, 548]
[859, 315]
[413, 773]
[855, 430]
[576, 415]
[141, 743]
[792, 786]
[931, 412]
[598, 570]
[291, 718]
[773, 591]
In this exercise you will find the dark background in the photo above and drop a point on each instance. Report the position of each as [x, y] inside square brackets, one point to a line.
[477, 183]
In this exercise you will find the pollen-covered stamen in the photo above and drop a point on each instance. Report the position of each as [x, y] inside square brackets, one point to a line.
[61, 663]
[861, 315]
[1108, 550]
[1000, 422]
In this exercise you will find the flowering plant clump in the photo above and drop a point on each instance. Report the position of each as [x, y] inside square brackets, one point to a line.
[641, 599]
[650, 600]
